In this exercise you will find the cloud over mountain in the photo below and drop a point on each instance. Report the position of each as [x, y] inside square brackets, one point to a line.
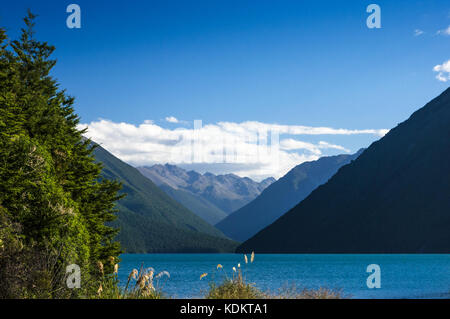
[443, 71]
[251, 148]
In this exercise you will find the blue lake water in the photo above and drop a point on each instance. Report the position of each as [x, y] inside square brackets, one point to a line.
[402, 276]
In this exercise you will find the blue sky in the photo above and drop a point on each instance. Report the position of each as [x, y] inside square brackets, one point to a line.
[309, 63]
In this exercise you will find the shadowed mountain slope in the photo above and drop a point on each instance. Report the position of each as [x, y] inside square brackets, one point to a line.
[281, 196]
[394, 198]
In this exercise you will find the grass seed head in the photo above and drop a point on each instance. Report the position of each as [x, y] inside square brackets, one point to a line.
[133, 274]
[100, 266]
[162, 273]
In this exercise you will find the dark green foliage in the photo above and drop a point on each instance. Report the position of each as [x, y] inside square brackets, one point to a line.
[281, 196]
[395, 198]
[150, 221]
[54, 203]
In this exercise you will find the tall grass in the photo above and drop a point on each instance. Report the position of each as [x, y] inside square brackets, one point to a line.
[142, 284]
[236, 286]
[145, 283]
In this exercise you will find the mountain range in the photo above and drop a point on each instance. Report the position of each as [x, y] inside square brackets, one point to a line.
[211, 197]
[281, 196]
[394, 198]
[150, 221]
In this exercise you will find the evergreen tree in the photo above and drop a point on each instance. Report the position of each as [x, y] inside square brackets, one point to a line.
[50, 184]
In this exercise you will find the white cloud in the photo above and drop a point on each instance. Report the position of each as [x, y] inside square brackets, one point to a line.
[172, 119]
[252, 149]
[290, 144]
[295, 129]
[444, 31]
[418, 32]
[325, 145]
[443, 71]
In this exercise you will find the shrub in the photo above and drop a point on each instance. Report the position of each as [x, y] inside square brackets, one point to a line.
[233, 289]
[236, 287]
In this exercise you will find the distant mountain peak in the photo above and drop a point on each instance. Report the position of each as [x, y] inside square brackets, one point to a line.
[150, 220]
[227, 192]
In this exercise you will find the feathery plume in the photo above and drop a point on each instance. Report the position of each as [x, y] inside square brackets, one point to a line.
[100, 266]
[252, 258]
[162, 273]
[246, 259]
[203, 275]
[150, 274]
[133, 274]
[219, 266]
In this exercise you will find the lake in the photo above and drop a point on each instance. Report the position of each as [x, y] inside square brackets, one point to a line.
[402, 276]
